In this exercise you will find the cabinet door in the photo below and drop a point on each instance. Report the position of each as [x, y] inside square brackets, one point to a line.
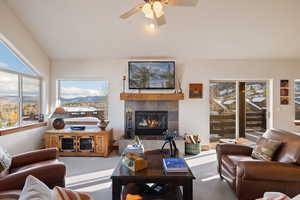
[86, 143]
[51, 141]
[100, 144]
[67, 144]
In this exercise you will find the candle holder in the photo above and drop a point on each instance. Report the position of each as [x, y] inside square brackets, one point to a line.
[124, 79]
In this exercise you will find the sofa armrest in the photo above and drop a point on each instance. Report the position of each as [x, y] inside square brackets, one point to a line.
[231, 149]
[33, 157]
[268, 171]
[50, 174]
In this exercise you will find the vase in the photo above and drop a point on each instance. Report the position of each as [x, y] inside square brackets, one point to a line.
[58, 124]
[103, 124]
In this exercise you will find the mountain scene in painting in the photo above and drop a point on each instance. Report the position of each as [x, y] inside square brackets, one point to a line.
[152, 75]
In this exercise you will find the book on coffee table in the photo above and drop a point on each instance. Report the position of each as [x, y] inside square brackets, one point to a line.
[175, 165]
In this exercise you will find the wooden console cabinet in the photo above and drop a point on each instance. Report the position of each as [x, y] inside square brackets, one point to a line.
[90, 142]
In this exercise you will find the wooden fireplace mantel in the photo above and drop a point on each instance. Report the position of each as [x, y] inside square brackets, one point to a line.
[151, 97]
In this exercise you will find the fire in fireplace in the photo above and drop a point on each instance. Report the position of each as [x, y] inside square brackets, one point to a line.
[151, 122]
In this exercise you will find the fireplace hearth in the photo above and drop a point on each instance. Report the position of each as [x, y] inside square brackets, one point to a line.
[151, 122]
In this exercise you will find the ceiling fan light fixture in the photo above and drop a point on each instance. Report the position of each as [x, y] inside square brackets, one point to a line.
[147, 10]
[158, 9]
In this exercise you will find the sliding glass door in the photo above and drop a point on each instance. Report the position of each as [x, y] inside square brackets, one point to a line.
[256, 108]
[238, 109]
[223, 104]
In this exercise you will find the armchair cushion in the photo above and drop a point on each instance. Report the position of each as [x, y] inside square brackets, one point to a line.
[268, 171]
[265, 149]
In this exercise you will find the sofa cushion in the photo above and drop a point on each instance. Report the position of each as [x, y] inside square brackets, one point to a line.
[230, 162]
[289, 151]
[265, 149]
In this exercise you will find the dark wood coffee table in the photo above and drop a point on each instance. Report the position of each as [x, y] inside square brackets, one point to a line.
[153, 174]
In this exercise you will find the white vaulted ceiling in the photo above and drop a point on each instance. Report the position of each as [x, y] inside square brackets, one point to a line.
[215, 29]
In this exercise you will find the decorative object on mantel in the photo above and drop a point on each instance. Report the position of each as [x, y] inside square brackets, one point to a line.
[179, 87]
[169, 138]
[196, 91]
[124, 81]
[284, 92]
[59, 115]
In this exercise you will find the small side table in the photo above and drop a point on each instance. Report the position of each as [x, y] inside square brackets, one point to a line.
[89, 142]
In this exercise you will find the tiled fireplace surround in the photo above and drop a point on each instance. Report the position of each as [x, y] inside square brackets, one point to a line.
[150, 142]
[170, 106]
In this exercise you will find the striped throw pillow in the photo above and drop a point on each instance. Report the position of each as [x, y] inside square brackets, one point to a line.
[64, 194]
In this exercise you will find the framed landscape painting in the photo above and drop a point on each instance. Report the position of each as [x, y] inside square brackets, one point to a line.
[196, 90]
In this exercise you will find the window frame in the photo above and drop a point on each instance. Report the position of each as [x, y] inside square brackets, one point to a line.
[58, 97]
[296, 121]
[20, 89]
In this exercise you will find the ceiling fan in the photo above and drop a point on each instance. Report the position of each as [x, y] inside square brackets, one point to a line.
[154, 9]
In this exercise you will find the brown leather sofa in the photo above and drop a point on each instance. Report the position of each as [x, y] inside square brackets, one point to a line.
[250, 178]
[43, 164]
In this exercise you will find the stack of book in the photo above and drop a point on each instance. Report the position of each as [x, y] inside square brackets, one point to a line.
[175, 165]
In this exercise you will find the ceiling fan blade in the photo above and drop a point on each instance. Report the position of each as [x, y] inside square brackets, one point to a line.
[132, 11]
[191, 3]
[160, 20]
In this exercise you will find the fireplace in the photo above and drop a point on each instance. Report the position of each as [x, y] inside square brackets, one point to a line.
[151, 122]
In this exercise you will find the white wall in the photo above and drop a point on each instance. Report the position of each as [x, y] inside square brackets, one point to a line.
[193, 113]
[13, 32]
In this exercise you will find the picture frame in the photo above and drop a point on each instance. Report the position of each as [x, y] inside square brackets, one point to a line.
[284, 92]
[284, 101]
[195, 90]
[284, 83]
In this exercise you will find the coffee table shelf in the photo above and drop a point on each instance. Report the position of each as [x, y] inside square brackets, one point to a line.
[153, 174]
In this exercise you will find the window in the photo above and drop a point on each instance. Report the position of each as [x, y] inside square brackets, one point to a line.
[83, 96]
[20, 91]
[297, 100]
[31, 100]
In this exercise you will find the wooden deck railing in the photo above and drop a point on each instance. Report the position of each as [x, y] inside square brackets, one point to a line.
[223, 125]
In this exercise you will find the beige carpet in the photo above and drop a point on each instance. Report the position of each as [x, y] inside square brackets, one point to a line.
[92, 175]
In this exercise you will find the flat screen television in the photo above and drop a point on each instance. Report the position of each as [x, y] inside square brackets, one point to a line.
[151, 74]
